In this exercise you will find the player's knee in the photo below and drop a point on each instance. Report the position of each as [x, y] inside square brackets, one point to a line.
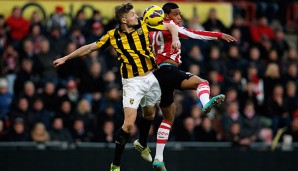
[128, 127]
[149, 117]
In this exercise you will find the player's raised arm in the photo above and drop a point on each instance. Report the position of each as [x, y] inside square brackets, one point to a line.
[82, 51]
[176, 45]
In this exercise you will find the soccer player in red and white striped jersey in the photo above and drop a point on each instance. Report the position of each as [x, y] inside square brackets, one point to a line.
[171, 78]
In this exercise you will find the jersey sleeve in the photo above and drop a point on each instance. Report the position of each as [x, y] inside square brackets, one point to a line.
[103, 42]
[196, 34]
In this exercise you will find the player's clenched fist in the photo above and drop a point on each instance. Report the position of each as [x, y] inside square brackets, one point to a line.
[59, 62]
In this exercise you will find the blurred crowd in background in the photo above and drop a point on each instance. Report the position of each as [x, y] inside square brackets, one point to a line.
[81, 101]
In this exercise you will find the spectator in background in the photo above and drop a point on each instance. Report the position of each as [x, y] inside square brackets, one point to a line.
[250, 94]
[49, 96]
[29, 92]
[36, 19]
[235, 81]
[188, 130]
[196, 113]
[271, 79]
[3, 38]
[293, 130]
[72, 93]
[255, 59]
[45, 58]
[58, 19]
[95, 18]
[107, 134]
[92, 85]
[235, 136]
[291, 96]
[213, 23]
[261, 30]
[205, 132]
[38, 114]
[66, 113]
[58, 133]
[57, 41]
[79, 134]
[66, 72]
[84, 112]
[36, 36]
[17, 26]
[18, 131]
[277, 109]
[6, 99]
[39, 133]
[195, 57]
[231, 116]
[251, 124]
[216, 62]
[97, 31]
[9, 64]
[253, 76]
[279, 42]
[238, 23]
[291, 73]
[195, 24]
[20, 109]
[25, 74]
[235, 61]
[273, 57]
[3, 132]
[109, 113]
[77, 37]
[80, 22]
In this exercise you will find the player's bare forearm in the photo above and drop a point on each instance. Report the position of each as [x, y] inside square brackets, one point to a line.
[82, 51]
[174, 32]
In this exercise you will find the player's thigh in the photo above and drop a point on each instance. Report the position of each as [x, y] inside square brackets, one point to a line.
[192, 82]
[148, 112]
[153, 93]
[133, 92]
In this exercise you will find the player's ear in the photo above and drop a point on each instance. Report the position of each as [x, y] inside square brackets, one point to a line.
[166, 17]
[123, 20]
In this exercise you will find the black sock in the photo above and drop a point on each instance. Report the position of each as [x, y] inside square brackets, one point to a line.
[144, 127]
[120, 140]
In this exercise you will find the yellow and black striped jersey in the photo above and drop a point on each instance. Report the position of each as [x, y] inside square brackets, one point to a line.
[133, 49]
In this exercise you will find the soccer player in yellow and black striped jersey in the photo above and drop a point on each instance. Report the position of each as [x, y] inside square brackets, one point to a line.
[140, 87]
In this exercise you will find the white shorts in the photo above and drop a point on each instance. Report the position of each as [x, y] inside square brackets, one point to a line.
[141, 90]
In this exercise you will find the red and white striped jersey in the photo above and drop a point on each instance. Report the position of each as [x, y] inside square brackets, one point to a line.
[161, 41]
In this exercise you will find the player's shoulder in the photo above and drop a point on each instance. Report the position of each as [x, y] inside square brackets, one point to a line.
[171, 22]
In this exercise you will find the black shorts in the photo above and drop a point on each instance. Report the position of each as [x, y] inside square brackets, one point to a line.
[170, 78]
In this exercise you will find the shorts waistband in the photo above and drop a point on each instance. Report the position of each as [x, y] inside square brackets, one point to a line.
[166, 64]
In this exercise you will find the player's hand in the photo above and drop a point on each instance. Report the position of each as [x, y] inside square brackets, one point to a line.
[176, 45]
[59, 61]
[228, 38]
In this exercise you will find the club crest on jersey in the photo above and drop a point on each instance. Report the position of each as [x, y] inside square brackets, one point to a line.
[140, 31]
[131, 101]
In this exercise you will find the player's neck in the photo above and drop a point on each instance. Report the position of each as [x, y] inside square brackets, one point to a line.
[127, 29]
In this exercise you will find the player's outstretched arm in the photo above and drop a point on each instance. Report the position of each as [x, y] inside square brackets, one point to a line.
[204, 35]
[82, 51]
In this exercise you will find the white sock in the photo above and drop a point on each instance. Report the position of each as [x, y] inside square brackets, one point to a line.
[162, 138]
[203, 92]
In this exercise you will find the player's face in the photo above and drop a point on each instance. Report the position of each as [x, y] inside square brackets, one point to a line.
[131, 18]
[175, 15]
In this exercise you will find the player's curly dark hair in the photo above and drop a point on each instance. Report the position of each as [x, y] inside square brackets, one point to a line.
[122, 9]
[167, 7]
